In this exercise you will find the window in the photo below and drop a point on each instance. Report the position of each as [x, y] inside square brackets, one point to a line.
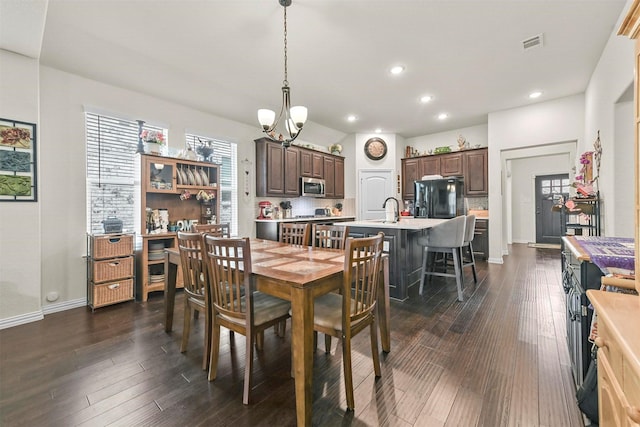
[225, 154]
[111, 146]
[111, 191]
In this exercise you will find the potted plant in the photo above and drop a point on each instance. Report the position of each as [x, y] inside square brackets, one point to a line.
[154, 140]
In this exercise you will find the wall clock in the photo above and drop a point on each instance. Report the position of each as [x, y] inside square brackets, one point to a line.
[375, 148]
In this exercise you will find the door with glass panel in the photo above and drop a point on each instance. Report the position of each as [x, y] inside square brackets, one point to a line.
[549, 190]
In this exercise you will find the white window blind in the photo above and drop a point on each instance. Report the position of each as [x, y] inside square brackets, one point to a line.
[224, 154]
[111, 147]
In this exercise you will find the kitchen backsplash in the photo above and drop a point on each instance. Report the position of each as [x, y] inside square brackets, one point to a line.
[477, 203]
[308, 205]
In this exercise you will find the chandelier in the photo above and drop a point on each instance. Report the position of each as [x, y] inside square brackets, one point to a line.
[292, 118]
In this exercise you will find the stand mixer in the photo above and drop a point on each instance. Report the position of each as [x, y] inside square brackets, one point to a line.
[266, 210]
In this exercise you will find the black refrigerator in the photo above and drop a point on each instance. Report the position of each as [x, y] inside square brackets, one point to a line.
[439, 198]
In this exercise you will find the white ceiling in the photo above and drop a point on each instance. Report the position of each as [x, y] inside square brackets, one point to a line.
[226, 56]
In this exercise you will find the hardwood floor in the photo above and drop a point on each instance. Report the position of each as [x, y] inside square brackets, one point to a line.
[498, 359]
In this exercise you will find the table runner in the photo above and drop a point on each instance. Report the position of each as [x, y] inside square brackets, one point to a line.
[609, 252]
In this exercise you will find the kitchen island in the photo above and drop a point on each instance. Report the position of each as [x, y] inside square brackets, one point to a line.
[269, 229]
[401, 243]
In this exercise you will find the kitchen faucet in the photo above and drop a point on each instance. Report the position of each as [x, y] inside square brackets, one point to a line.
[396, 213]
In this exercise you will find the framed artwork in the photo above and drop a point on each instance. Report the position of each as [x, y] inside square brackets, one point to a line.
[18, 165]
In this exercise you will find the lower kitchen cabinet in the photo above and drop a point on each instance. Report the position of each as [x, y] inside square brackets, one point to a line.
[578, 275]
[481, 238]
[270, 229]
[110, 269]
[618, 358]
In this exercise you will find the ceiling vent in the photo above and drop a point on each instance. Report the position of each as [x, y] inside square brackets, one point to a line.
[532, 42]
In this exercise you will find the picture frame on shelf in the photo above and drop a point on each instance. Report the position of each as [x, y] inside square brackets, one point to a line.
[18, 161]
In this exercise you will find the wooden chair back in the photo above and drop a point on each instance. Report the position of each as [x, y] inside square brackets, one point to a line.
[361, 277]
[295, 233]
[194, 271]
[329, 236]
[218, 230]
[229, 266]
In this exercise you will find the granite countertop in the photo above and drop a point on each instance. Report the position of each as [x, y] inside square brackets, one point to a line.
[310, 219]
[405, 223]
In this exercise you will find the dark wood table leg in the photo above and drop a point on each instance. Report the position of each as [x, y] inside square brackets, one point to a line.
[302, 347]
[170, 277]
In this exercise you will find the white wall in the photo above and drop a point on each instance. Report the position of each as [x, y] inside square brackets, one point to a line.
[475, 135]
[623, 224]
[523, 172]
[611, 78]
[544, 123]
[54, 262]
[20, 251]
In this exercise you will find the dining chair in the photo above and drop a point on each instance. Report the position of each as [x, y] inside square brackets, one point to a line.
[329, 236]
[446, 238]
[235, 303]
[470, 260]
[196, 291]
[295, 233]
[345, 315]
[219, 230]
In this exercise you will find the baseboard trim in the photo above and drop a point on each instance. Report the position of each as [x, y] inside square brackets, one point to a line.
[21, 319]
[65, 305]
[495, 260]
[35, 316]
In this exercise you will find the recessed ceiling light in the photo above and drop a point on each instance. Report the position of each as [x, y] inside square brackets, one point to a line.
[397, 69]
[352, 118]
[426, 98]
[378, 130]
[442, 116]
[534, 95]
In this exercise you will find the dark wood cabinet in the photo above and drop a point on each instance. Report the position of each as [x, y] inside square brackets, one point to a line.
[475, 173]
[481, 238]
[451, 164]
[429, 166]
[306, 163]
[292, 172]
[410, 173]
[317, 163]
[339, 178]
[277, 169]
[329, 168]
[470, 164]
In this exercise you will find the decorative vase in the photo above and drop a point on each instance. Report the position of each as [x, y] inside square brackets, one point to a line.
[154, 148]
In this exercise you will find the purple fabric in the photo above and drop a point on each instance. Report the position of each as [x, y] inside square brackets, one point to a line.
[607, 252]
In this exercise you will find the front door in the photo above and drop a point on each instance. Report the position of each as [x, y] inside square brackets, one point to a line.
[374, 187]
[549, 190]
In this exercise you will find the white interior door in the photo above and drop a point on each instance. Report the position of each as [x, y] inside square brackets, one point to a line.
[374, 187]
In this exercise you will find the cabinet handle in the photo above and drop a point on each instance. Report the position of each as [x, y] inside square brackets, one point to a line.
[114, 240]
[114, 264]
[114, 286]
[633, 413]
[600, 342]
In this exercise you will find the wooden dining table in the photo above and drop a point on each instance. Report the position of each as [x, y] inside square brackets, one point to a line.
[298, 274]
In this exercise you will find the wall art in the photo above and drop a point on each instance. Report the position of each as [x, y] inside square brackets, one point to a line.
[18, 165]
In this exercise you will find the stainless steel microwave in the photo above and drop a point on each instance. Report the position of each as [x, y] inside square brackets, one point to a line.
[312, 187]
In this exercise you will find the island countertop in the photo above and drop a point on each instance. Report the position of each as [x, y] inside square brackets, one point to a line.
[403, 224]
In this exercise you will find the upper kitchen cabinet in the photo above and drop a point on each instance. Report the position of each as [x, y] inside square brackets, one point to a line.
[277, 169]
[475, 173]
[410, 173]
[470, 164]
[451, 164]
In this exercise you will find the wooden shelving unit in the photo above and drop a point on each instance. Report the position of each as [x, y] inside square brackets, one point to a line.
[172, 184]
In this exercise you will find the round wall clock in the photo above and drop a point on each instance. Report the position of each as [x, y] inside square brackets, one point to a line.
[375, 148]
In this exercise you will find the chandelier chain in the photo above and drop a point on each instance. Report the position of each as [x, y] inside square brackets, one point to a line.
[285, 82]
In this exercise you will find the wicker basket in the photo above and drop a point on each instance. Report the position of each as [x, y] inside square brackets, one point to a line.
[114, 245]
[112, 269]
[112, 292]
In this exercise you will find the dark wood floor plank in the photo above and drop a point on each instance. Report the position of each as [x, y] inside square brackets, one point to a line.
[497, 359]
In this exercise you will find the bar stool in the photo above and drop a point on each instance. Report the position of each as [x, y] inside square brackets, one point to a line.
[469, 232]
[445, 238]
